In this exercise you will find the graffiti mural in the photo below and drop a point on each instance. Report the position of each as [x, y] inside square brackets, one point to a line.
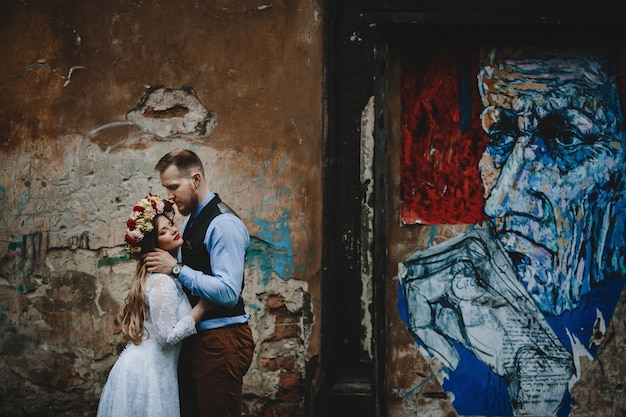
[509, 306]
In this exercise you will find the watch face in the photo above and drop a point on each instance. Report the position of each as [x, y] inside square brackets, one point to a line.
[176, 269]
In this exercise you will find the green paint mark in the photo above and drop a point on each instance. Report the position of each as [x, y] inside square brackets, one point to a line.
[113, 260]
[24, 288]
[4, 318]
[16, 245]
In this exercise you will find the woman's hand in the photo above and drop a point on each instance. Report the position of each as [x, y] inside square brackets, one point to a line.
[199, 309]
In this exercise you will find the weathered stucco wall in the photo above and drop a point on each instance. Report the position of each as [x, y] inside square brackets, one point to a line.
[72, 163]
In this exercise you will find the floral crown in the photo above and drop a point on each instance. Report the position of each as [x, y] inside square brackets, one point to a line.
[142, 219]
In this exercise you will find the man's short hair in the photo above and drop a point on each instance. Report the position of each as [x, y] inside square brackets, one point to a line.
[183, 159]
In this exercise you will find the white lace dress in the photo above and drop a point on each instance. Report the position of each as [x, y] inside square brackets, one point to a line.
[144, 381]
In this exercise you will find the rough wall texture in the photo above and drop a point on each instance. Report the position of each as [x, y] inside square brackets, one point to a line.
[82, 123]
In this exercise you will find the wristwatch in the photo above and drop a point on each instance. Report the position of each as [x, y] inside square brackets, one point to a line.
[176, 270]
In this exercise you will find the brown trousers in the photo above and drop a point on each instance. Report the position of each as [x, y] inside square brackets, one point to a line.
[210, 371]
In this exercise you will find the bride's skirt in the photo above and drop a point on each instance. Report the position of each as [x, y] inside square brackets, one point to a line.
[143, 382]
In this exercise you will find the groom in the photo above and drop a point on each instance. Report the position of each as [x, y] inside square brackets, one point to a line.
[211, 265]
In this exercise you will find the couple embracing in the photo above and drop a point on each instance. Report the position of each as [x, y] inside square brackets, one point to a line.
[189, 343]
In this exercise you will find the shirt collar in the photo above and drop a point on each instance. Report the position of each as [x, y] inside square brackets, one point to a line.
[203, 204]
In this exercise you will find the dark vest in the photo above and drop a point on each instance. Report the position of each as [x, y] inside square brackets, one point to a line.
[196, 256]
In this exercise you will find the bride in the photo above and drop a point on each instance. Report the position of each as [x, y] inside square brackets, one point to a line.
[154, 318]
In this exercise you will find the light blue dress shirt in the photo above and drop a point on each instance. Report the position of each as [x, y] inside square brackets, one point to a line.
[227, 241]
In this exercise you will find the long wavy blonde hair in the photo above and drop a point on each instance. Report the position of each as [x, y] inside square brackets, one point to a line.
[133, 310]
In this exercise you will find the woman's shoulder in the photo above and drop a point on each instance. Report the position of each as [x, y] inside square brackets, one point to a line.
[160, 279]
[158, 275]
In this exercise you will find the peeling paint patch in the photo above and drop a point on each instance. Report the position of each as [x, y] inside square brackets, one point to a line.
[367, 212]
[354, 37]
[166, 112]
[578, 351]
[69, 74]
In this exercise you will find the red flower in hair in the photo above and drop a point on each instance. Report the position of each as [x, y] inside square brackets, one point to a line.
[143, 219]
[130, 240]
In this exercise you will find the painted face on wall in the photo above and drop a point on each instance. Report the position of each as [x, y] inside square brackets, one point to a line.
[552, 171]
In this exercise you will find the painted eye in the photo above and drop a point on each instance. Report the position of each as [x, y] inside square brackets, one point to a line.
[570, 138]
[502, 130]
[501, 139]
[567, 139]
[559, 131]
[500, 146]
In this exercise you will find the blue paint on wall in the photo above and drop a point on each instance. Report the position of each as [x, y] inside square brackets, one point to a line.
[277, 235]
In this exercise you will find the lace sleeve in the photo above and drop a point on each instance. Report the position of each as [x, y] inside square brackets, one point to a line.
[163, 298]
